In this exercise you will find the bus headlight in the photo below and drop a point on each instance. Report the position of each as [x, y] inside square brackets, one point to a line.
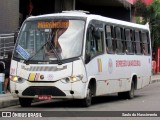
[72, 79]
[17, 79]
[76, 78]
[65, 80]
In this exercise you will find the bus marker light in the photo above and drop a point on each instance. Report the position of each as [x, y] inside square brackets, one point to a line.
[15, 78]
[42, 77]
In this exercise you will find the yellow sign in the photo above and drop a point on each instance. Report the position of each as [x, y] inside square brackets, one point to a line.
[32, 76]
[99, 65]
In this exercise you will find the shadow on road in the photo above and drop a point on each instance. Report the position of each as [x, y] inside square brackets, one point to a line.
[77, 104]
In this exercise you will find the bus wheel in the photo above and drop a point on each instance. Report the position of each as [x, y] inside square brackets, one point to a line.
[25, 102]
[130, 94]
[87, 101]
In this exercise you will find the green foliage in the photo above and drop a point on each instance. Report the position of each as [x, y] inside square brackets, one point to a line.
[150, 14]
[140, 8]
[138, 20]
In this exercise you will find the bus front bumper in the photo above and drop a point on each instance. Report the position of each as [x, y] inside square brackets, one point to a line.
[57, 89]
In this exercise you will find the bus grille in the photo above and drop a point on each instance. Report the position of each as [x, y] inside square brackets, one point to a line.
[44, 68]
[42, 90]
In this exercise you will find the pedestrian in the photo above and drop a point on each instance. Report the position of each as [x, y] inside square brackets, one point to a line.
[6, 71]
[1, 67]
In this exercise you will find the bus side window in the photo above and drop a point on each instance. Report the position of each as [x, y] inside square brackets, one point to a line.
[109, 42]
[119, 40]
[123, 40]
[94, 45]
[89, 43]
[99, 42]
[113, 36]
[144, 43]
[133, 41]
[137, 43]
[128, 34]
[148, 42]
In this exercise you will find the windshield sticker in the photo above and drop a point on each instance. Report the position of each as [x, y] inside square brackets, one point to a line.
[99, 65]
[22, 52]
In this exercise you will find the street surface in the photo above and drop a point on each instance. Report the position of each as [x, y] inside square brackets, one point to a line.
[146, 99]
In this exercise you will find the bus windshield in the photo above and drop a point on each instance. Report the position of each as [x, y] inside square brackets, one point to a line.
[44, 40]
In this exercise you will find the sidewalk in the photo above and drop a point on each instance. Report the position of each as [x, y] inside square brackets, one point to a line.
[7, 100]
[155, 78]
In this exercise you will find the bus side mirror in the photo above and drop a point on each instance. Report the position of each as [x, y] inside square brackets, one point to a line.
[97, 33]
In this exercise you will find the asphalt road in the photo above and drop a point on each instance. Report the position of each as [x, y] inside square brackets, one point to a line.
[146, 99]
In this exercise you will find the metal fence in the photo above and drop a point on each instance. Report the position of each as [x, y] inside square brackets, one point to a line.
[6, 44]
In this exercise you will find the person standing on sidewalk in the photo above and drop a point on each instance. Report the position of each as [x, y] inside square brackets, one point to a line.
[6, 71]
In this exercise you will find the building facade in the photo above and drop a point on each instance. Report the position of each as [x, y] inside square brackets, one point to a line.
[14, 12]
[9, 20]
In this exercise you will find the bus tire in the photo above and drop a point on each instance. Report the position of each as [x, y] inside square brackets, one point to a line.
[130, 94]
[121, 95]
[88, 100]
[25, 102]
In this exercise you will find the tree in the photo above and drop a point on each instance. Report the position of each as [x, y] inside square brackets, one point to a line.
[150, 14]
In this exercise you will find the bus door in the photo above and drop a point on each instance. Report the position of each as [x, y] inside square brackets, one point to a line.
[94, 55]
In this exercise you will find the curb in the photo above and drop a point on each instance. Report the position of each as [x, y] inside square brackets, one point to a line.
[9, 102]
[154, 81]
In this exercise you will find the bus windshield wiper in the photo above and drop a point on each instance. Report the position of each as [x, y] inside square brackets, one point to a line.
[52, 48]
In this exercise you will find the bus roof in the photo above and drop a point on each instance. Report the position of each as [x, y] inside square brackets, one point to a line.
[90, 17]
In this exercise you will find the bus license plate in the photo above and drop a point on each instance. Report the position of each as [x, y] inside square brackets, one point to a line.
[44, 97]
